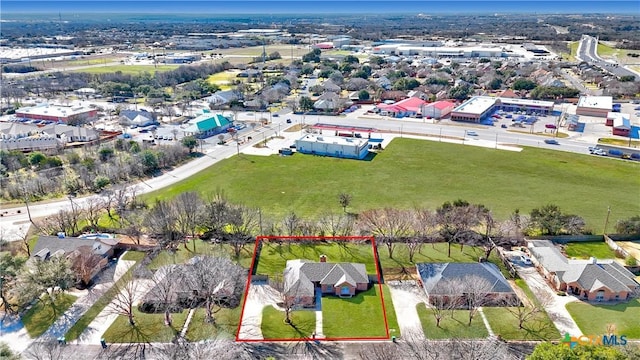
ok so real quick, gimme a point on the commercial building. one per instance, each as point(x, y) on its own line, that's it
point(438, 109)
point(58, 113)
point(404, 49)
point(207, 124)
point(29, 137)
point(479, 108)
point(598, 106)
point(334, 146)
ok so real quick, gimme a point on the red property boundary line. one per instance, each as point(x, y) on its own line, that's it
point(316, 238)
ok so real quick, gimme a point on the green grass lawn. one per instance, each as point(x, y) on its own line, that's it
point(607, 51)
point(274, 327)
point(44, 313)
point(147, 328)
point(453, 325)
point(585, 250)
point(410, 173)
point(181, 255)
point(134, 255)
point(620, 142)
point(505, 324)
point(593, 319)
point(225, 324)
point(359, 316)
point(392, 320)
point(273, 257)
point(127, 69)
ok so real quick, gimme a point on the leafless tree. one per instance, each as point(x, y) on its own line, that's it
point(288, 294)
point(45, 349)
point(445, 297)
point(217, 348)
point(388, 224)
point(291, 224)
point(476, 289)
point(336, 224)
point(527, 311)
point(92, 211)
point(128, 293)
point(187, 208)
point(456, 221)
point(242, 225)
point(163, 292)
point(217, 282)
point(85, 263)
point(161, 222)
point(215, 213)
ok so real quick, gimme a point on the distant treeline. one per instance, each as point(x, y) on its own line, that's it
point(19, 68)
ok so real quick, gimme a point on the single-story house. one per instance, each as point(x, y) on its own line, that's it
point(304, 280)
point(593, 279)
point(182, 293)
point(207, 124)
point(447, 281)
point(223, 97)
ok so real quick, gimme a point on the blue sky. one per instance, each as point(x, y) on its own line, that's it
point(215, 7)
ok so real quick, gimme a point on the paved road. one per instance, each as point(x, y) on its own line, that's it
point(588, 51)
point(15, 224)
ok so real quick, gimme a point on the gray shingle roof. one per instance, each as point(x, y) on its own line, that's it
point(51, 244)
point(301, 274)
point(433, 275)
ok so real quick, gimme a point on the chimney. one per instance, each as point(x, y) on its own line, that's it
point(593, 260)
point(323, 258)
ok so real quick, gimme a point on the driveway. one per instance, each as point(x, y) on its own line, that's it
point(258, 297)
point(556, 309)
point(406, 295)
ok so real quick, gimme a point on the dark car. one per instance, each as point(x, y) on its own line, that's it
point(552, 141)
point(288, 121)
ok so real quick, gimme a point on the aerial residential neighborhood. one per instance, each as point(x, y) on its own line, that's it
point(297, 183)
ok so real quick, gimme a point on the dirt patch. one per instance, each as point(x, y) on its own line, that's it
point(401, 273)
point(144, 240)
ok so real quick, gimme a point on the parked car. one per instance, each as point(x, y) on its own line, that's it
point(525, 259)
point(504, 126)
point(552, 142)
point(288, 121)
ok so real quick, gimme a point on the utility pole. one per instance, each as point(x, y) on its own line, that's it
point(606, 222)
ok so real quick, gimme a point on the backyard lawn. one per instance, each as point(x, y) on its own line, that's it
point(392, 320)
point(585, 250)
point(274, 327)
point(593, 319)
point(505, 324)
point(453, 325)
point(273, 257)
point(421, 173)
point(147, 328)
point(356, 317)
point(182, 255)
point(43, 313)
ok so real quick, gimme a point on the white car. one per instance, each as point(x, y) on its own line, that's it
point(525, 259)
point(472, 133)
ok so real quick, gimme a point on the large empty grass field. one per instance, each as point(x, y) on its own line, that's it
point(410, 173)
point(127, 69)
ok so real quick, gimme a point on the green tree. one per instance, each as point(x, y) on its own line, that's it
point(100, 182)
point(548, 351)
point(350, 59)
point(10, 267)
point(306, 103)
point(189, 142)
point(313, 56)
point(524, 84)
point(37, 158)
point(495, 84)
point(461, 92)
point(149, 161)
point(364, 95)
point(105, 153)
point(549, 220)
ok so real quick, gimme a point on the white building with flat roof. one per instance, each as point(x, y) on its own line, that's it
point(598, 106)
point(334, 146)
point(474, 109)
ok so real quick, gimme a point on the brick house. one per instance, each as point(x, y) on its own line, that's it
point(305, 280)
point(592, 280)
